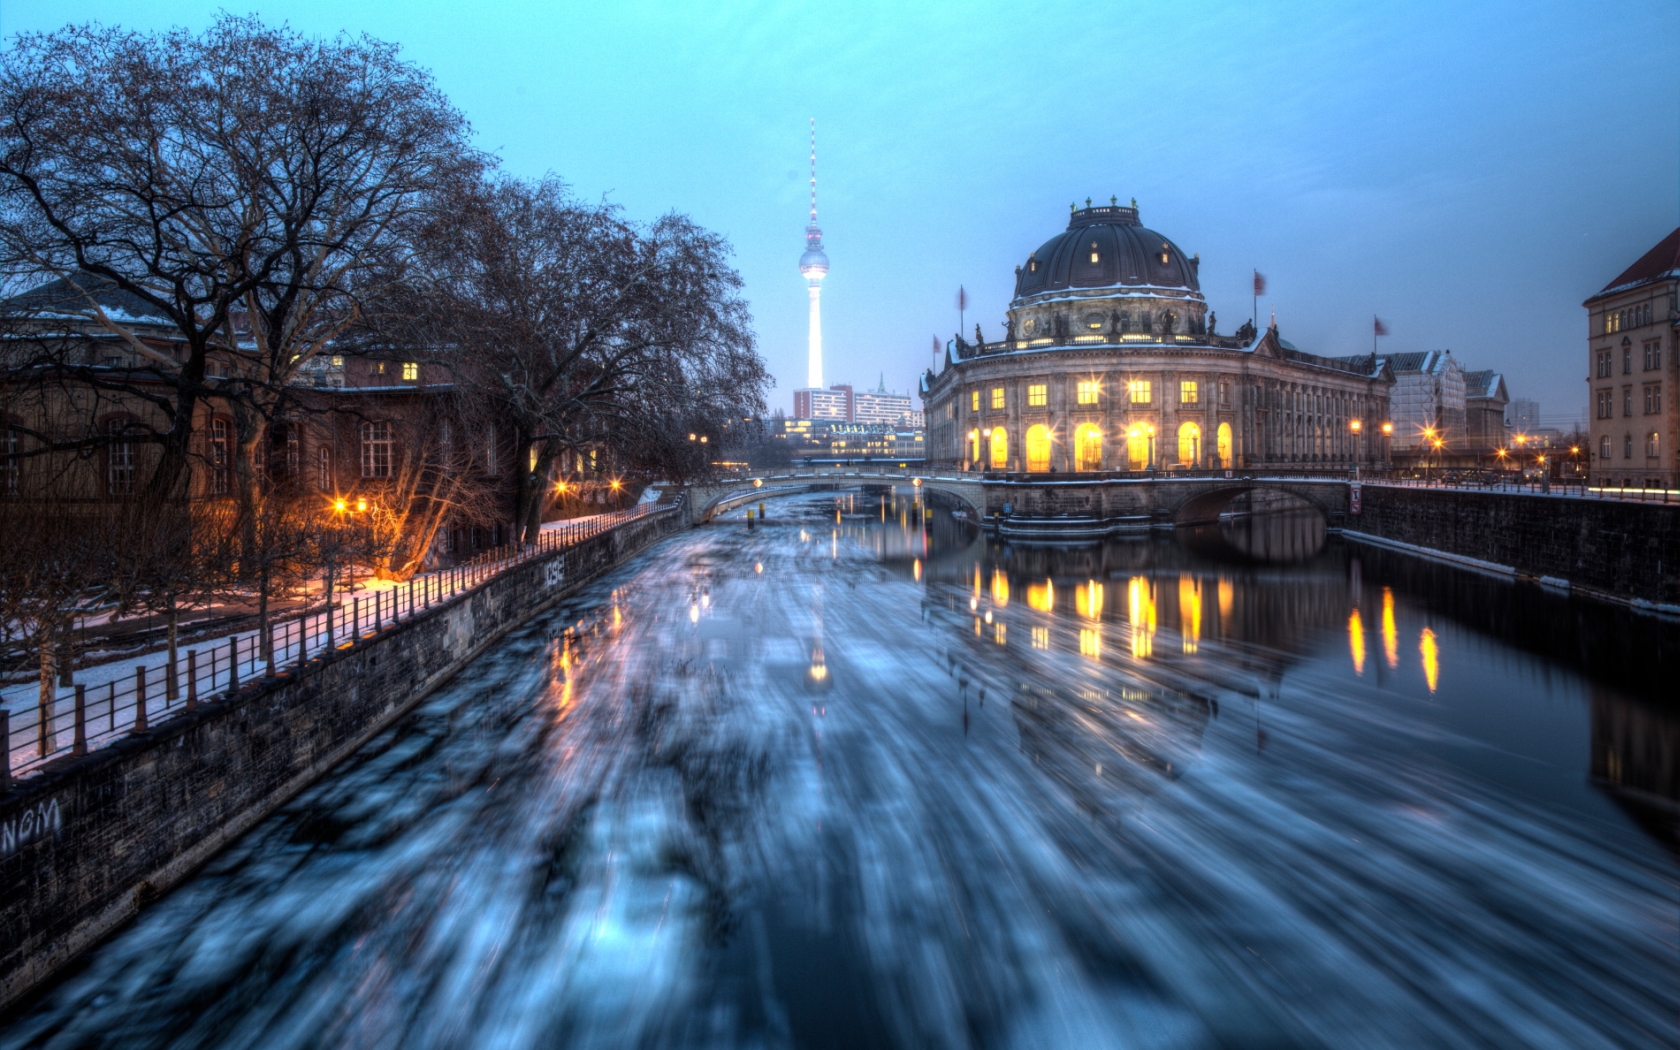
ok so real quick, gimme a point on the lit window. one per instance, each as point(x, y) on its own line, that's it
point(1139, 390)
point(1651, 440)
point(411, 371)
point(1038, 395)
point(1095, 257)
point(376, 450)
point(376, 368)
point(338, 360)
point(997, 397)
point(1187, 392)
point(1041, 637)
point(974, 401)
point(1089, 390)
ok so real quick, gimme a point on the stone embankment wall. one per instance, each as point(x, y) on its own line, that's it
point(87, 842)
point(1623, 551)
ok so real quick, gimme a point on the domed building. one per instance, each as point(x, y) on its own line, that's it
point(1110, 362)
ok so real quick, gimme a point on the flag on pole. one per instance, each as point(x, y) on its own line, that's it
point(1377, 326)
point(962, 298)
point(1259, 283)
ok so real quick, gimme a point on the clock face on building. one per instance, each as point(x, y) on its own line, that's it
point(1095, 322)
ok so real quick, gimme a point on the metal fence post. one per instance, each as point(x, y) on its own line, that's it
point(79, 743)
point(140, 699)
point(233, 665)
point(5, 750)
point(192, 679)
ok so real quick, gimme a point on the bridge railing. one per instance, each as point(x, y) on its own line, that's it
point(126, 697)
point(1564, 489)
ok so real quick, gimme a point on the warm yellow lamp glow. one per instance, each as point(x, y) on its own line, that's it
point(1431, 658)
point(1356, 641)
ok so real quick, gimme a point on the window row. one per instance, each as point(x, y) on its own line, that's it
point(1631, 317)
point(1653, 442)
point(1137, 448)
point(1604, 401)
point(1086, 392)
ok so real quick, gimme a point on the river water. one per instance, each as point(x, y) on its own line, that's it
point(844, 780)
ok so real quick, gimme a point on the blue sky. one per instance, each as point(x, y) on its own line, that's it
point(1470, 172)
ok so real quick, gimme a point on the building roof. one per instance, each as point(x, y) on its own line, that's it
point(1660, 263)
point(1488, 383)
point(1127, 255)
point(68, 298)
point(1432, 362)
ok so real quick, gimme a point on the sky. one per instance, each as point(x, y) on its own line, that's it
point(1467, 172)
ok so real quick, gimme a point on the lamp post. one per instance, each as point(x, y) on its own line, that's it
point(1354, 427)
point(1150, 430)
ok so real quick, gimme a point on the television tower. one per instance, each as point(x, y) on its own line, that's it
point(814, 265)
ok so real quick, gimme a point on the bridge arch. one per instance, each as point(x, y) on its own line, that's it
point(1204, 503)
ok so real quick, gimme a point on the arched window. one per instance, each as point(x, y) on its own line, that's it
point(323, 469)
point(1189, 445)
point(974, 446)
point(1224, 447)
point(1087, 447)
point(1627, 446)
point(119, 459)
point(1604, 447)
point(1651, 441)
point(1038, 448)
point(1137, 448)
point(1000, 449)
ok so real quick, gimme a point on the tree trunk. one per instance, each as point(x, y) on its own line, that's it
point(172, 684)
point(43, 728)
point(67, 653)
point(264, 641)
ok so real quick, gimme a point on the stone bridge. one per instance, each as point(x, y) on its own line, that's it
point(1067, 506)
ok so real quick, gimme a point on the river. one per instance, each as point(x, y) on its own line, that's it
point(846, 780)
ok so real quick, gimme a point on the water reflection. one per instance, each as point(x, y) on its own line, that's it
point(1172, 798)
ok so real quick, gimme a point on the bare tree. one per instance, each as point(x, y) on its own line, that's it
point(248, 184)
point(583, 332)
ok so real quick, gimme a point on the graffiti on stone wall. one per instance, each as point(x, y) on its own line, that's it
point(36, 822)
point(554, 573)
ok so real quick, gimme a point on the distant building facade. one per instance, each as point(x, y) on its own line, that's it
point(1110, 361)
point(1485, 403)
point(1633, 342)
point(833, 403)
point(829, 440)
point(1524, 416)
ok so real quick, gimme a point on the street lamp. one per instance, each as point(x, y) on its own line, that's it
point(1355, 426)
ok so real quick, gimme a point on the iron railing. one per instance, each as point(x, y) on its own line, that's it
point(131, 696)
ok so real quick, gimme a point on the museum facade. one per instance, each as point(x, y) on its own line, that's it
point(1110, 362)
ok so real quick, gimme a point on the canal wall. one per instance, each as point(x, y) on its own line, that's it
point(1625, 552)
point(91, 839)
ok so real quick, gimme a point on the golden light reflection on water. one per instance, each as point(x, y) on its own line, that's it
point(1140, 606)
point(1001, 634)
point(1356, 641)
point(1190, 611)
point(1041, 596)
point(1227, 599)
point(1041, 637)
point(1088, 598)
point(1000, 587)
point(1390, 636)
point(916, 569)
point(1431, 654)
point(977, 580)
point(1090, 642)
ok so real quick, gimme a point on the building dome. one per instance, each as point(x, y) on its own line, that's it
point(1104, 247)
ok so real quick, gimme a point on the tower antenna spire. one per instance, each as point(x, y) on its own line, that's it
point(813, 265)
